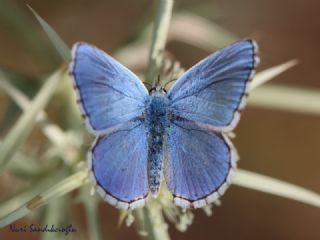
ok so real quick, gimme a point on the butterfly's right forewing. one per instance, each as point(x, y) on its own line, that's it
point(213, 92)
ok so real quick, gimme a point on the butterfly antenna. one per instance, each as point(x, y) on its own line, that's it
point(148, 84)
point(172, 80)
point(158, 79)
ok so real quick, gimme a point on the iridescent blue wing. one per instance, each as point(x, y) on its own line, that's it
point(213, 92)
point(109, 94)
point(198, 164)
point(117, 165)
point(112, 100)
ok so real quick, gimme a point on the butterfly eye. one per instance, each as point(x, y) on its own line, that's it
point(152, 90)
point(156, 89)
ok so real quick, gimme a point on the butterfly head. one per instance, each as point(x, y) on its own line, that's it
point(158, 89)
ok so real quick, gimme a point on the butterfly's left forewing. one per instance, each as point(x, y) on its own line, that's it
point(108, 93)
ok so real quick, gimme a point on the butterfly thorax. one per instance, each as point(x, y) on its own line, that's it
point(157, 121)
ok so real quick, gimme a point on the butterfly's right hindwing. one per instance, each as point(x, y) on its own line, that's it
point(198, 164)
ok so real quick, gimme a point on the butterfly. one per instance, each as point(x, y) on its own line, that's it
point(179, 135)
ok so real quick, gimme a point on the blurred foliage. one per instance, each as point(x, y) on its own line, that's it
point(59, 167)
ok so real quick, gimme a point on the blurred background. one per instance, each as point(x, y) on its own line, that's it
point(281, 144)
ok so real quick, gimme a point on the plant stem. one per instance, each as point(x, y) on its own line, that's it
point(150, 222)
point(276, 187)
point(57, 42)
point(159, 38)
point(57, 214)
point(285, 98)
point(157, 222)
point(91, 205)
point(24, 125)
point(9, 206)
point(147, 227)
point(271, 73)
point(53, 132)
point(61, 188)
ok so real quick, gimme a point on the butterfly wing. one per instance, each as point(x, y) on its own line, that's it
point(205, 102)
point(117, 165)
point(112, 100)
point(109, 94)
point(213, 92)
point(198, 164)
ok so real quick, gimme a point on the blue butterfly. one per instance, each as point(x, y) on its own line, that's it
point(144, 136)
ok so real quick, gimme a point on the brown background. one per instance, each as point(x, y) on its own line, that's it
point(278, 144)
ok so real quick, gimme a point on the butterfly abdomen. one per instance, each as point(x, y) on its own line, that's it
point(156, 121)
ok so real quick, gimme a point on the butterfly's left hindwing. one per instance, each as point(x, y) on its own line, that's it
point(118, 166)
point(213, 92)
